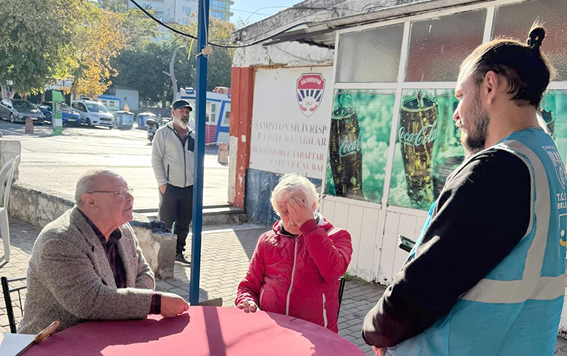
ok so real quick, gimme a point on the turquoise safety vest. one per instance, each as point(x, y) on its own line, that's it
point(515, 309)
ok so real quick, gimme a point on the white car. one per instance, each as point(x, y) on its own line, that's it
point(93, 113)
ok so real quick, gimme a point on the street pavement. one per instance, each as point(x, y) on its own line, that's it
point(56, 162)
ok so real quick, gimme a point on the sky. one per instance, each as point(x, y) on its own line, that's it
point(251, 11)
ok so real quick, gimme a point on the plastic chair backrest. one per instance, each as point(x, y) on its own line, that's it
point(6, 177)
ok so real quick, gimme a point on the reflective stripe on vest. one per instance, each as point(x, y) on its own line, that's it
point(532, 285)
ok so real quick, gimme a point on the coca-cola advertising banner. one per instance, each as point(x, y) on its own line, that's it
point(553, 112)
point(427, 149)
point(358, 148)
point(426, 152)
point(290, 123)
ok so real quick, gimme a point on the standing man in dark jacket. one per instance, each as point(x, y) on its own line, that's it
point(172, 161)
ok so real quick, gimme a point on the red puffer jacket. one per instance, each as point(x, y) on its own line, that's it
point(298, 275)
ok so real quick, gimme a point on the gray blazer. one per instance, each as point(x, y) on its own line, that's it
point(69, 278)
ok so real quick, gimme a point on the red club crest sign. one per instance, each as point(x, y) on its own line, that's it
point(310, 88)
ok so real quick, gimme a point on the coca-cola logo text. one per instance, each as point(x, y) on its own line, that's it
point(424, 136)
point(348, 148)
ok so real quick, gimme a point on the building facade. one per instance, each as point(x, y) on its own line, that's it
point(170, 11)
point(392, 68)
point(220, 9)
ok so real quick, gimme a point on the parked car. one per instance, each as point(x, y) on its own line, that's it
point(18, 110)
point(68, 115)
point(93, 113)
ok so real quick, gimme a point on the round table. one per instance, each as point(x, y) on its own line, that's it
point(209, 331)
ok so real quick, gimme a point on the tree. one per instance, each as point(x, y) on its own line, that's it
point(113, 5)
point(98, 39)
point(220, 61)
point(143, 68)
point(137, 26)
point(34, 42)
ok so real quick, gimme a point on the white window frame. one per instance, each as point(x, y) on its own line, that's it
point(212, 111)
point(400, 85)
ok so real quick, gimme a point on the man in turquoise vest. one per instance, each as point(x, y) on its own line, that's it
point(487, 275)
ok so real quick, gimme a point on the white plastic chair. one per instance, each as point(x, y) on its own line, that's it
point(6, 177)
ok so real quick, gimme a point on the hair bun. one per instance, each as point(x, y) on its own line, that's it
point(537, 34)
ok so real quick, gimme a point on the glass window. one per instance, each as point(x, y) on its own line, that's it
point(207, 112)
point(213, 114)
point(515, 21)
point(427, 149)
point(358, 150)
point(370, 56)
point(554, 112)
point(438, 46)
point(226, 120)
point(22, 104)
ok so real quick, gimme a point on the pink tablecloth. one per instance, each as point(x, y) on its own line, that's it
point(209, 331)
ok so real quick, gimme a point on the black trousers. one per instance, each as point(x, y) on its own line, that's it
point(176, 206)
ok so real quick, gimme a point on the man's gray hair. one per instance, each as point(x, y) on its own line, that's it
point(291, 183)
point(87, 182)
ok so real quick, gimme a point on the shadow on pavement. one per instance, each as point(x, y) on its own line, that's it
point(248, 239)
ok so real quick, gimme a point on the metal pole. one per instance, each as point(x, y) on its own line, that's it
point(172, 72)
point(202, 35)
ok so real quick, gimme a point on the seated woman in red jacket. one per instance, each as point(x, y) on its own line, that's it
point(296, 265)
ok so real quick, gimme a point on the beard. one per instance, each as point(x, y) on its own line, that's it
point(182, 123)
point(474, 139)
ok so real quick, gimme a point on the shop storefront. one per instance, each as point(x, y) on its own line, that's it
point(391, 138)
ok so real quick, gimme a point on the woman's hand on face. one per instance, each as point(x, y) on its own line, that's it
point(299, 212)
point(248, 306)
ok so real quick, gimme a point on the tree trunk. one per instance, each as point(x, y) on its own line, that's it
point(74, 89)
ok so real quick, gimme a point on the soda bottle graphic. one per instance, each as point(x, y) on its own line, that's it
point(344, 150)
point(418, 128)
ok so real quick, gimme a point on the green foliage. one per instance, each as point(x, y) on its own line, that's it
point(143, 69)
point(219, 62)
point(139, 28)
point(98, 38)
point(35, 41)
point(98, 43)
point(143, 66)
point(114, 5)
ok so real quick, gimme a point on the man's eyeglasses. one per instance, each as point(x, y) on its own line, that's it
point(122, 193)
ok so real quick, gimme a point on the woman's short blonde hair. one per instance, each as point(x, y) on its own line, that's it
point(291, 183)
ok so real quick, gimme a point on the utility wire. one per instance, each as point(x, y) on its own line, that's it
point(214, 44)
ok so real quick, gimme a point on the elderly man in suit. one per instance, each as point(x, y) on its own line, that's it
point(87, 264)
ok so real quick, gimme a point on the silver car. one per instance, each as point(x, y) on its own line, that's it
point(18, 110)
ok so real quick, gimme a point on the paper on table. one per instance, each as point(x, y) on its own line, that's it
point(14, 344)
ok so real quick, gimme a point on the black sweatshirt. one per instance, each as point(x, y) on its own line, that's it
point(481, 214)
